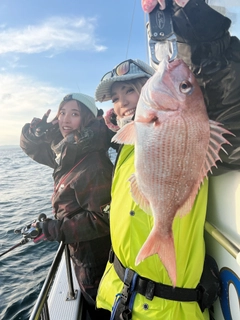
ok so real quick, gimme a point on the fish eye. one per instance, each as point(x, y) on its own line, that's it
point(185, 87)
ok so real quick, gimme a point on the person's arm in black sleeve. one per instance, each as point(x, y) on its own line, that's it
point(52, 230)
point(90, 221)
point(35, 139)
point(36, 148)
point(92, 192)
point(214, 56)
point(92, 195)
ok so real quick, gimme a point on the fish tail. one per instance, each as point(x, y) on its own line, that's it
point(164, 247)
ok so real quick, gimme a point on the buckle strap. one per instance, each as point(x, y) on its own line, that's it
point(164, 291)
point(129, 285)
point(149, 288)
point(122, 307)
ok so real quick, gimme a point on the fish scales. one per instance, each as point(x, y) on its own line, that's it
point(175, 146)
point(166, 167)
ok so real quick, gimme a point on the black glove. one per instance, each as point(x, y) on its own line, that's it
point(202, 35)
point(39, 127)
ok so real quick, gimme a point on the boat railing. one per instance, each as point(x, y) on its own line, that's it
point(41, 308)
point(227, 244)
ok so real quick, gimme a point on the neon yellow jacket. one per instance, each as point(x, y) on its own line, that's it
point(129, 232)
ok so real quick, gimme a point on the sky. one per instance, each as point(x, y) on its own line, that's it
point(50, 48)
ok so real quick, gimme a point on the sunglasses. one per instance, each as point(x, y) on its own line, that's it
point(122, 69)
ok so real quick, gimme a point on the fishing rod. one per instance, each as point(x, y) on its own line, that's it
point(29, 233)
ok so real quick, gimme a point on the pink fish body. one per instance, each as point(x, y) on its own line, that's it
point(175, 146)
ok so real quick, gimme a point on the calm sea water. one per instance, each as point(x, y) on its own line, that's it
point(25, 192)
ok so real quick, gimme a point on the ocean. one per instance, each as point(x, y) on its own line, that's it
point(25, 192)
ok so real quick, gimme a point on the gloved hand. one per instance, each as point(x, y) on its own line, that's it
point(40, 126)
point(111, 120)
point(50, 229)
point(149, 5)
point(38, 225)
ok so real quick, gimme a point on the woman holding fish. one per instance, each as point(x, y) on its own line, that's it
point(143, 288)
point(159, 193)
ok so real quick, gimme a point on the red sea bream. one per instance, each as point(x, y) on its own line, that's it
point(175, 146)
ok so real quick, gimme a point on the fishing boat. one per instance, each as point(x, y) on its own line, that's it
point(223, 241)
point(222, 227)
point(60, 297)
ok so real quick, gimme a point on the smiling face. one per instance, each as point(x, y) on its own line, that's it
point(124, 99)
point(69, 117)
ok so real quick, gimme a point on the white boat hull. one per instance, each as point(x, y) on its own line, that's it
point(224, 214)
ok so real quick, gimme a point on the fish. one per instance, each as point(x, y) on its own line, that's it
point(235, 155)
point(176, 145)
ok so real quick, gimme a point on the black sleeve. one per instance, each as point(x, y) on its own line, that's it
point(84, 226)
point(90, 188)
point(92, 193)
point(52, 230)
point(36, 147)
point(205, 44)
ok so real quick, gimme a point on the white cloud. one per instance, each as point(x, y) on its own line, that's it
point(57, 34)
point(21, 99)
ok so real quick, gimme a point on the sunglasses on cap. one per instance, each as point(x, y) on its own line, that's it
point(122, 69)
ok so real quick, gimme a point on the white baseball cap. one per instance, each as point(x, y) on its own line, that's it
point(126, 70)
point(88, 101)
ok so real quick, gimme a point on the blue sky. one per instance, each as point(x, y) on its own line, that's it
point(49, 48)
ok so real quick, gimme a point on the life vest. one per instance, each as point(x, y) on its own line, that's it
point(130, 226)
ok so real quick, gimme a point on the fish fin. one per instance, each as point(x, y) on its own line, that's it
point(138, 196)
point(230, 114)
point(126, 135)
point(151, 117)
point(212, 155)
point(164, 247)
point(235, 155)
point(215, 144)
